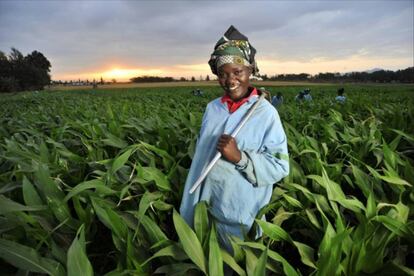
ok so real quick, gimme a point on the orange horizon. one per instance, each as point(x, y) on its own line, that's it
point(123, 73)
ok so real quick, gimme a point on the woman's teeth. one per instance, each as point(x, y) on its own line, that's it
point(234, 87)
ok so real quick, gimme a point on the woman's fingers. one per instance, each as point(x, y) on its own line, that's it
point(224, 140)
point(228, 147)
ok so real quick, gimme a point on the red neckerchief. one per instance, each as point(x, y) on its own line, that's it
point(233, 106)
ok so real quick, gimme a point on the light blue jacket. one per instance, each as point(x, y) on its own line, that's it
point(307, 97)
point(340, 99)
point(233, 200)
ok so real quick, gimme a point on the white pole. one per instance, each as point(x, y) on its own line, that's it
point(218, 154)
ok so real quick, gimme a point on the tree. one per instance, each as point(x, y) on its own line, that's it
point(144, 79)
point(18, 72)
point(7, 81)
point(208, 78)
point(38, 68)
point(192, 79)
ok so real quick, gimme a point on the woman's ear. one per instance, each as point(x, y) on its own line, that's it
point(250, 70)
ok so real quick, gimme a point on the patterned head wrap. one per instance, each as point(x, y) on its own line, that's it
point(235, 48)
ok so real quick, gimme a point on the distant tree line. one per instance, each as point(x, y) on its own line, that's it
point(384, 76)
point(151, 79)
point(166, 79)
point(18, 72)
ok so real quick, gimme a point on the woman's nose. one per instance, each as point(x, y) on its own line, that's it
point(230, 80)
point(231, 77)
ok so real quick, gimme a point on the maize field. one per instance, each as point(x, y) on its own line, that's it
point(91, 181)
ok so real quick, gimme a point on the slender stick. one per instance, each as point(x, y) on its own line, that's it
point(218, 154)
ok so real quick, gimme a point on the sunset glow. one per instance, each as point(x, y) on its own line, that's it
point(125, 74)
point(117, 73)
point(266, 66)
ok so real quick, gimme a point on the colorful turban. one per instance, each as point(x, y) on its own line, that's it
point(235, 48)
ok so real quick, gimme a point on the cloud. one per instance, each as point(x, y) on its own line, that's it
point(88, 36)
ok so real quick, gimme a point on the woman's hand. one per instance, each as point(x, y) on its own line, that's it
point(228, 147)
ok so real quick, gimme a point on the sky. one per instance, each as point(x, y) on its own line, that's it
point(124, 39)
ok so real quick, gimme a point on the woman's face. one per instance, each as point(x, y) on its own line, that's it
point(234, 79)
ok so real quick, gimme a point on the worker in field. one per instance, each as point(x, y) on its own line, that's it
point(340, 98)
point(277, 100)
point(307, 95)
point(241, 182)
point(300, 96)
point(197, 92)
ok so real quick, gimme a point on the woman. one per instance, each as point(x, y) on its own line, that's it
point(241, 182)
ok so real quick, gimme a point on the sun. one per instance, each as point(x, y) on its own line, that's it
point(121, 74)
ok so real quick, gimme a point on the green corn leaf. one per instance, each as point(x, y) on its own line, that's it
point(371, 206)
point(9, 206)
point(312, 218)
point(395, 180)
point(330, 251)
point(44, 152)
point(27, 258)
point(394, 268)
point(189, 241)
point(4, 188)
point(146, 202)
point(273, 231)
point(287, 267)
point(393, 225)
point(292, 201)
point(118, 225)
point(228, 259)
point(154, 174)
point(215, 260)
point(114, 141)
point(174, 251)
point(30, 195)
point(78, 262)
point(154, 232)
point(251, 261)
point(176, 269)
point(306, 254)
point(45, 183)
point(281, 216)
point(161, 205)
point(362, 180)
point(96, 184)
point(260, 268)
point(120, 160)
point(201, 221)
point(110, 218)
point(167, 159)
point(277, 233)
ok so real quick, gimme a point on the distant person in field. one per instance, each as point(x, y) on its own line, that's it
point(300, 97)
point(277, 100)
point(340, 98)
point(241, 182)
point(197, 92)
point(307, 96)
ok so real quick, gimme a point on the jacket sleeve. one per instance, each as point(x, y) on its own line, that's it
point(271, 162)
